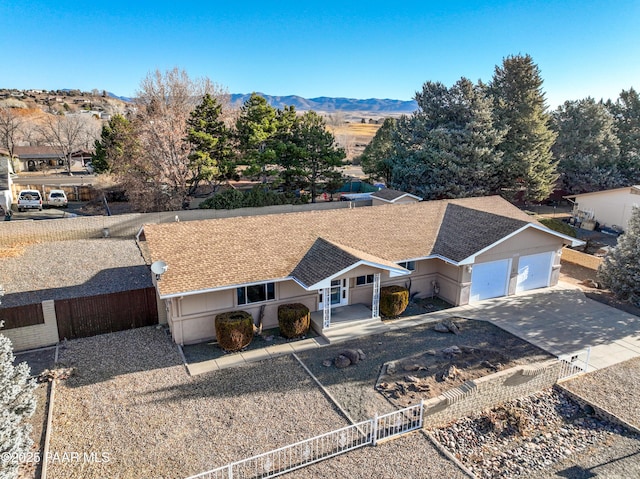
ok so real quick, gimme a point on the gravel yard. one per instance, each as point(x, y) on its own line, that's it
point(131, 399)
point(354, 386)
point(411, 456)
point(71, 269)
point(616, 389)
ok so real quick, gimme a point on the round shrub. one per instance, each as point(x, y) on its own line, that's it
point(294, 320)
point(393, 300)
point(234, 330)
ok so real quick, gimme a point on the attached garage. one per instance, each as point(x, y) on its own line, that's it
point(490, 280)
point(534, 271)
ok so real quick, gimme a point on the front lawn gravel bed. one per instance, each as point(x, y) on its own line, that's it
point(354, 386)
point(131, 398)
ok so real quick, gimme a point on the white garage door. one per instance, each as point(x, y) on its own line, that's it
point(534, 271)
point(490, 280)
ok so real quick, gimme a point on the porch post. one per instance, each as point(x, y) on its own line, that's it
point(326, 308)
point(375, 301)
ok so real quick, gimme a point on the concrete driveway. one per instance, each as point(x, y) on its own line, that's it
point(563, 320)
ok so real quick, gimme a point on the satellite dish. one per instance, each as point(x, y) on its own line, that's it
point(159, 268)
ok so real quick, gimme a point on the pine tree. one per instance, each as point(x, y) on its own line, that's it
point(308, 152)
point(255, 129)
point(620, 269)
point(210, 158)
point(519, 107)
point(17, 403)
point(626, 113)
point(586, 147)
point(447, 149)
point(376, 155)
point(115, 146)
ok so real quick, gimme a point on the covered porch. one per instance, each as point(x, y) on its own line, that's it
point(345, 320)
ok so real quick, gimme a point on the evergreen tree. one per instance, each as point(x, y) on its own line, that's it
point(626, 114)
point(17, 403)
point(255, 129)
point(211, 157)
point(308, 152)
point(115, 146)
point(375, 159)
point(447, 149)
point(620, 270)
point(586, 146)
point(519, 107)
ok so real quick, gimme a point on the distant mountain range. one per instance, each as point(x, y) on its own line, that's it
point(327, 104)
point(323, 103)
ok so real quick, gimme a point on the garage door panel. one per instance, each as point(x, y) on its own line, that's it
point(534, 271)
point(490, 280)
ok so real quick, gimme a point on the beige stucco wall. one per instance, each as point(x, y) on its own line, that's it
point(610, 208)
point(192, 318)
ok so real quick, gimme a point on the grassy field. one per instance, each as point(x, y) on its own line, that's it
point(353, 137)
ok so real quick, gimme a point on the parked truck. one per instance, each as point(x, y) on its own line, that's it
point(29, 200)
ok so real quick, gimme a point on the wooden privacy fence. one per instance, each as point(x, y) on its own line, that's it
point(106, 313)
point(21, 316)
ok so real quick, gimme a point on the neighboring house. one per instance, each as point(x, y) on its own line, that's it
point(389, 195)
point(34, 158)
point(609, 207)
point(6, 197)
point(462, 250)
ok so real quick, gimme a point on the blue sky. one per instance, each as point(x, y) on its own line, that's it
point(349, 49)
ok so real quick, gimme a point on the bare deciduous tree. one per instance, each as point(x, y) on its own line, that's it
point(11, 129)
point(70, 133)
point(158, 177)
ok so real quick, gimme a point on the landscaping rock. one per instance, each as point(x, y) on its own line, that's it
point(451, 351)
point(327, 363)
point(450, 373)
point(352, 354)
point(362, 355)
point(342, 362)
point(447, 326)
point(391, 368)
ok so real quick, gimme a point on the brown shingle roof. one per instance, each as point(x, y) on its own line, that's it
point(224, 252)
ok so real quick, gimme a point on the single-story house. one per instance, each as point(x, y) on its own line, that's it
point(609, 207)
point(34, 158)
point(463, 250)
point(389, 195)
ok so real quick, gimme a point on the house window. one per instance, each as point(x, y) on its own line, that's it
point(410, 265)
point(256, 293)
point(362, 280)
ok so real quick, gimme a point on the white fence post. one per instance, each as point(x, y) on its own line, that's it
point(374, 430)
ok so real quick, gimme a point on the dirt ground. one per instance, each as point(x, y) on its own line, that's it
point(429, 373)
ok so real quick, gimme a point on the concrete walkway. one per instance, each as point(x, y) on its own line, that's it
point(559, 320)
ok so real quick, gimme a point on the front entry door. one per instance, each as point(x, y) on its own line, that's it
point(339, 293)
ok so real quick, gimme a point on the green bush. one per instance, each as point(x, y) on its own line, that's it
point(393, 300)
point(293, 319)
point(234, 330)
point(558, 226)
point(254, 198)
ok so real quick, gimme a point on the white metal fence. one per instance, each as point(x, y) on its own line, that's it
point(573, 364)
point(309, 451)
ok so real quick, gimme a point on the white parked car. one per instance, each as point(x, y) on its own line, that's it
point(29, 200)
point(58, 199)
